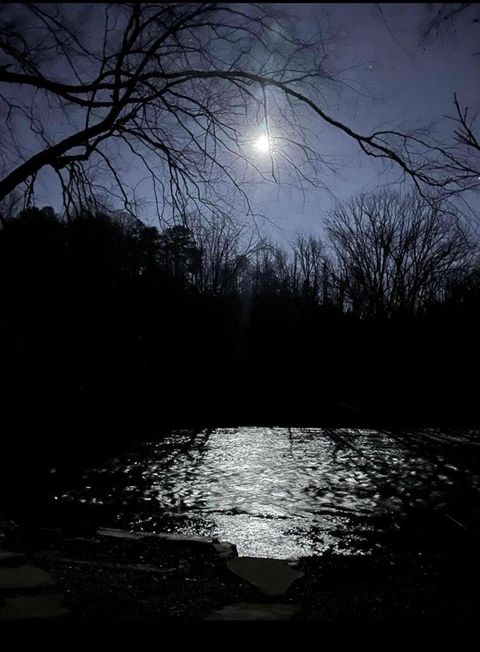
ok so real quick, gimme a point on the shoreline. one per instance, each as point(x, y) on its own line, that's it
point(123, 576)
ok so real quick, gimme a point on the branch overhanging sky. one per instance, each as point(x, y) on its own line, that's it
point(390, 79)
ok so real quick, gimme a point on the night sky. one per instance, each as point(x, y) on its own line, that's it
point(390, 78)
point(404, 81)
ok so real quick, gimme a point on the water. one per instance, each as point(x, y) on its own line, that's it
point(282, 492)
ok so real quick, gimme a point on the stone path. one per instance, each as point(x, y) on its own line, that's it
point(271, 577)
point(254, 611)
point(37, 606)
point(29, 592)
point(22, 590)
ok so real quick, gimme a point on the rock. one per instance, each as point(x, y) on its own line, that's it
point(7, 557)
point(118, 534)
point(183, 538)
point(6, 527)
point(24, 577)
point(38, 606)
point(270, 576)
point(226, 550)
point(123, 534)
point(252, 611)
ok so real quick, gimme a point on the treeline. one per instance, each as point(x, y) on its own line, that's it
point(111, 328)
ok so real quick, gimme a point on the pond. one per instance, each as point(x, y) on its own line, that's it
point(285, 492)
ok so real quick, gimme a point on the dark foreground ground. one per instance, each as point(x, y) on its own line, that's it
point(110, 579)
point(424, 570)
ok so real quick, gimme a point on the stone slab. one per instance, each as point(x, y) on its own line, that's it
point(7, 557)
point(123, 534)
point(270, 576)
point(26, 576)
point(38, 606)
point(226, 550)
point(252, 611)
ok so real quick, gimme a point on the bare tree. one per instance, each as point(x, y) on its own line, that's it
point(283, 268)
point(443, 16)
point(226, 248)
point(465, 133)
point(10, 205)
point(301, 270)
point(309, 267)
point(179, 89)
point(263, 270)
point(179, 253)
point(460, 159)
point(396, 254)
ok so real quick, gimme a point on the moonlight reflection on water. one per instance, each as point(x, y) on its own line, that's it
point(274, 492)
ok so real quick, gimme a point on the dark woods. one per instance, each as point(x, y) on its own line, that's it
point(110, 328)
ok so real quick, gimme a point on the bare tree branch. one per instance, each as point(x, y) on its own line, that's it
point(183, 88)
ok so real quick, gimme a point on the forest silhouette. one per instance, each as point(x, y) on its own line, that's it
point(111, 328)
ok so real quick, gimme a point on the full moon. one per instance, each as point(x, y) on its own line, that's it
point(262, 144)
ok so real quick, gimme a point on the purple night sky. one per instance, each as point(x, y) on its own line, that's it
point(391, 79)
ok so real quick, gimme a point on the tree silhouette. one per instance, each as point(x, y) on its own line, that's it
point(225, 247)
point(179, 252)
point(444, 16)
point(179, 89)
point(396, 254)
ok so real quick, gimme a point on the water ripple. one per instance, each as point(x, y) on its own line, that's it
point(277, 491)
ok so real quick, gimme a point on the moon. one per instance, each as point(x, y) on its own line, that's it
point(262, 144)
